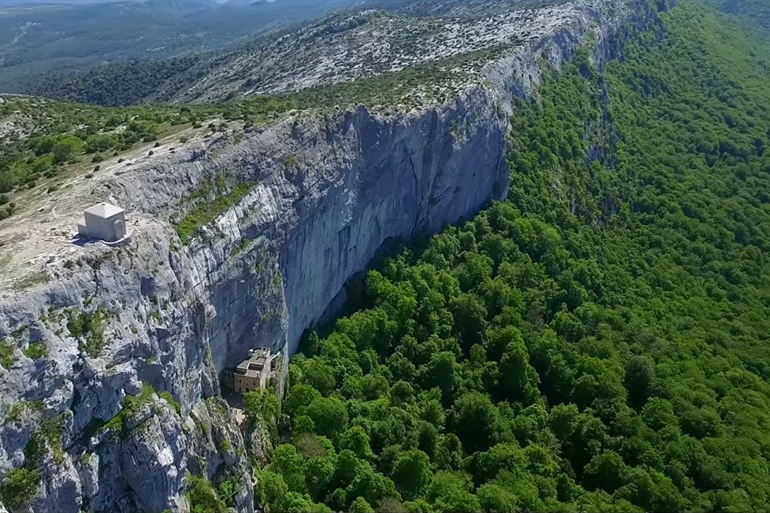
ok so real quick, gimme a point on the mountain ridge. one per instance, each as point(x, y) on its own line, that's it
point(32, 46)
point(334, 50)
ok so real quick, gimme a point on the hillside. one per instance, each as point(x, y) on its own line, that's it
point(54, 38)
point(349, 47)
point(271, 53)
point(361, 43)
point(409, 62)
point(44, 143)
point(562, 210)
point(753, 12)
point(597, 342)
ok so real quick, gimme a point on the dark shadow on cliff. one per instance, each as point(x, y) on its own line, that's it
point(353, 298)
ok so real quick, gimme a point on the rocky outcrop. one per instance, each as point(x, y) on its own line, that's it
point(123, 324)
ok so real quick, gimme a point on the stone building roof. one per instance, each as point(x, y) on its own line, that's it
point(252, 366)
point(104, 210)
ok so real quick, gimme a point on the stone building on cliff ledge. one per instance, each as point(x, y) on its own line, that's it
point(251, 374)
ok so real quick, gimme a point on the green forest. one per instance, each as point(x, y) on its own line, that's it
point(755, 12)
point(120, 84)
point(597, 342)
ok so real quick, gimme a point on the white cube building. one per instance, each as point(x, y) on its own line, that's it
point(105, 222)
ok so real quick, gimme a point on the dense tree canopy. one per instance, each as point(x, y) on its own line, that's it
point(597, 342)
point(121, 84)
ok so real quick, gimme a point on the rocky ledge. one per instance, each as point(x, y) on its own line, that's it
point(109, 360)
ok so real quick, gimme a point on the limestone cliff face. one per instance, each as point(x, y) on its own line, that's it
point(327, 191)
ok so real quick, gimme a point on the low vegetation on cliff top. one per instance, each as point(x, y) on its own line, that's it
point(598, 342)
point(41, 140)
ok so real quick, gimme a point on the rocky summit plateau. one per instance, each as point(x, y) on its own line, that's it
point(372, 42)
point(111, 355)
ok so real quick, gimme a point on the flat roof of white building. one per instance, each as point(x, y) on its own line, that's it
point(104, 210)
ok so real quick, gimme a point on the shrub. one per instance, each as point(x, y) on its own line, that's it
point(260, 404)
point(228, 490)
point(89, 328)
point(6, 355)
point(19, 409)
point(131, 405)
point(166, 396)
point(208, 211)
point(19, 487)
point(36, 350)
point(202, 496)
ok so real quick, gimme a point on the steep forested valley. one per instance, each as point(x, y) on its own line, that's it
point(597, 342)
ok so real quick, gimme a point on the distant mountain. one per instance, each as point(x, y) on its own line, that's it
point(170, 5)
point(65, 36)
point(756, 12)
point(58, 2)
point(27, 3)
point(44, 38)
